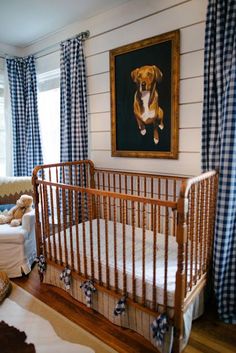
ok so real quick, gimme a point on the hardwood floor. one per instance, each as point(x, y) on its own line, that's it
point(208, 334)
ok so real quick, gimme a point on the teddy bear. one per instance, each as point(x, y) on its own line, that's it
point(15, 214)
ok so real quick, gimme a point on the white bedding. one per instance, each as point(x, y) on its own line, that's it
point(172, 257)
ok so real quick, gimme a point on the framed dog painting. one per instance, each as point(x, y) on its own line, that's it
point(144, 97)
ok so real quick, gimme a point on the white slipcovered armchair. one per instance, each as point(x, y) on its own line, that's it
point(17, 244)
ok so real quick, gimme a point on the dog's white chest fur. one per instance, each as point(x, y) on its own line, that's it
point(147, 112)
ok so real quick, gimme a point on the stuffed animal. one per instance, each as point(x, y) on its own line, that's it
point(15, 214)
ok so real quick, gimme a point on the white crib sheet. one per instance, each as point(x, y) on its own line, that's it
point(172, 257)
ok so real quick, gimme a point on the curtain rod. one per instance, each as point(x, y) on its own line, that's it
point(85, 35)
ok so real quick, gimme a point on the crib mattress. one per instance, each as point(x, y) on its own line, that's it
point(160, 255)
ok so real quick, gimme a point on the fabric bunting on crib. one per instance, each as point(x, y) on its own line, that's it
point(42, 265)
point(159, 328)
point(88, 289)
point(65, 276)
point(120, 306)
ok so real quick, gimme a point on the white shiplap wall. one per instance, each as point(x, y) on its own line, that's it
point(189, 17)
point(131, 22)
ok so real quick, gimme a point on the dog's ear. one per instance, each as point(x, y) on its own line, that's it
point(134, 74)
point(158, 73)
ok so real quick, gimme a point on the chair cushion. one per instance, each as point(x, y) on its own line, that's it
point(10, 234)
point(5, 285)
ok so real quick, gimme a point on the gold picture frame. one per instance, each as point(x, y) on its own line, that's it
point(144, 79)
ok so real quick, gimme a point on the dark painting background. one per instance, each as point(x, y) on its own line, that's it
point(128, 136)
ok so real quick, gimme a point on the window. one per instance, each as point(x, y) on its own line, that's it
point(49, 115)
point(2, 127)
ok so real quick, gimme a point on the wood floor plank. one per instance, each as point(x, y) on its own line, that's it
point(209, 335)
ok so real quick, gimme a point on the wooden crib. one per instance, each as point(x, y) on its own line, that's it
point(144, 237)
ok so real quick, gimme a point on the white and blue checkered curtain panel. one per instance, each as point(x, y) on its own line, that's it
point(27, 150)
point(74, 124)
point(219, 144)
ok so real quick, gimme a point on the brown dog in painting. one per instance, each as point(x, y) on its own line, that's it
point(146, 105)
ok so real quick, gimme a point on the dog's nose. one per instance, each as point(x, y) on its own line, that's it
point(143, 84)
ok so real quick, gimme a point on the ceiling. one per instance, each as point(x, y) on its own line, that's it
point(25, 21)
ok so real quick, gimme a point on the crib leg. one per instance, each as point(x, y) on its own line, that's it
point(41, 276)
point(179, 328)
point(177, 343)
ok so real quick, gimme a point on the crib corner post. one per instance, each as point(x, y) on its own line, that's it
point(36, 207)
point(92, 185)
point(181, 238)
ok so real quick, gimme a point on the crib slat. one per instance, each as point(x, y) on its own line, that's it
point(87, 175)
point(174, 213)
point(109, 199)
point(191, 235)
point(114, 182)
point(84, 234)
point(187, 252)
point(76, 195)
point(124, 246)
point(138, 190)
point(47, 226)
point(98, 181)
point(90, 211)
point(159, 207)
point(115, 244)
point(106, 243)
point(207, 228)
point(152, 206)
point(42, 218)
point(201, 230)
point(197, 234)
point(64, 208)
point(59, 224)
point(126, 206)
point(120, 199)
point(98, 202)
point(166, 257)
point(70, 198)
point(133, 252)
point(53, 220)
point(155, 249)
point(144, 255)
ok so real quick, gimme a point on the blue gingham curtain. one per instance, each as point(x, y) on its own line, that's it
point(74, 125)
point(219, 144)
point(27, 150)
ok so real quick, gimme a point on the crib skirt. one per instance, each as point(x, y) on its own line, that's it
point(133, 318)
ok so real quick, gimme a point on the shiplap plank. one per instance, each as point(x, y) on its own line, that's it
point(100, 122)
point(192, 38)
point(98, 83)
point(190, 115)
point(191, 64)
point(191, 90)
point(97, 63)
point(99, 103)
point(189, 140)
point(186, 164)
